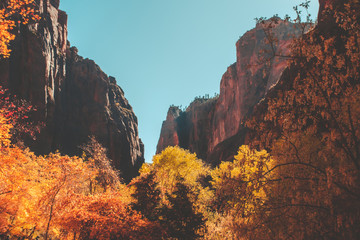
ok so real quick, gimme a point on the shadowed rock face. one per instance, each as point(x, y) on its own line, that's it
point(206, 126)
point(74, 97)
point(169, 129)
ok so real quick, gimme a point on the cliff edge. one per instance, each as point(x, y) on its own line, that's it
point(74, 97)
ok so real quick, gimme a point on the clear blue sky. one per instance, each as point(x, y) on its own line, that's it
point(165, 52)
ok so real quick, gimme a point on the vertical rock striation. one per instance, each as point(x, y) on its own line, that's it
point(74, 97)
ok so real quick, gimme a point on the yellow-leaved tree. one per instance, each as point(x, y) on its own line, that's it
point(173, 164)
point(241, 188)
point(177, 176)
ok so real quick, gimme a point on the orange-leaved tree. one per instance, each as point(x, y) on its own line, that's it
point(310, 122)
point(33, 188)
point(17, 177)
point(13, 13)
point(105, 216)
point(53, 197)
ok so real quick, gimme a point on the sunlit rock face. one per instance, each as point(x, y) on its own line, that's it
point(246, 87)
point(206, 126)
point(74, 97)
point(246, 82)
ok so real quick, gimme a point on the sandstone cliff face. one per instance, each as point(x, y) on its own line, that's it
point(74, 98)
point(169, 129)
point(246, 82)
point(207, 126)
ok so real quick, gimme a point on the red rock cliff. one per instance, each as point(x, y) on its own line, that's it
point(245, 86)
point(208, 124)
point(74, 97)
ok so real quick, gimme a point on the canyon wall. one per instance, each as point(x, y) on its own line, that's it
point(74, 97)
point(213, 128)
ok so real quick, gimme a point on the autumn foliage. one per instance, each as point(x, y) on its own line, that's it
point(305, 185)
point(53, 197)
point(105, 216)
point(12, 14)
point(310, 123)
point(171, 187)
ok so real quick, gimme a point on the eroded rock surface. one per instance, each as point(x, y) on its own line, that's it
point(74, 97)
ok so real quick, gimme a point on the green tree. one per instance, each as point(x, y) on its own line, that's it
point(146, 195)
point(179, 217)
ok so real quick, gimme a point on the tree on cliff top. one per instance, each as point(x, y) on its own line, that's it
point(13, 12)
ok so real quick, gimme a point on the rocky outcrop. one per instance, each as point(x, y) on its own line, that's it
point(190, 129)
point(207, 126)
point(74, 97)
point(169, 129)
